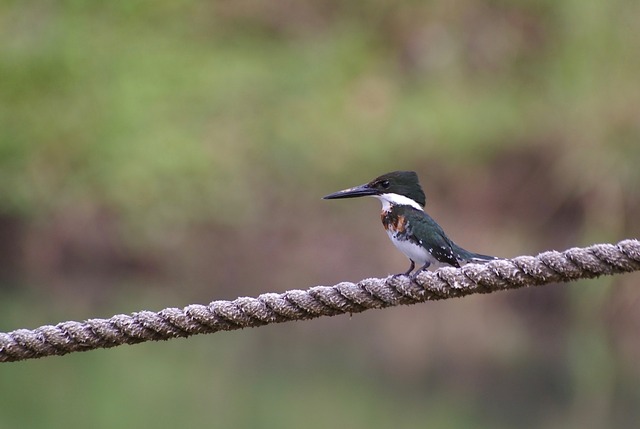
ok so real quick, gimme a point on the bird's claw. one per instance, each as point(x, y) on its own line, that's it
point(412, 277)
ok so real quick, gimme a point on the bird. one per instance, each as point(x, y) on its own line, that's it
point(409, 227)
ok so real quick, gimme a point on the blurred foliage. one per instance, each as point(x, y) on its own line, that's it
point(144, 145)
point(169, 110)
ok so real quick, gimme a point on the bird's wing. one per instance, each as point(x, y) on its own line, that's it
point(434, 240)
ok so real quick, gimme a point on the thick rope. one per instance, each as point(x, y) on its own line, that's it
point(345, 297)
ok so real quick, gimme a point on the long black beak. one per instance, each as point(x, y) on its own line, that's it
point(358, 191)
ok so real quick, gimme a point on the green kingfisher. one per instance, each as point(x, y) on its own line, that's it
point(409, 227)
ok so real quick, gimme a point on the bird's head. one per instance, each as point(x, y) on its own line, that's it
point(397, 187)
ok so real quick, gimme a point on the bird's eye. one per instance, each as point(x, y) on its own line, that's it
point(384, 184)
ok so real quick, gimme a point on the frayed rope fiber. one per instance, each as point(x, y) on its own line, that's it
point(345, 297)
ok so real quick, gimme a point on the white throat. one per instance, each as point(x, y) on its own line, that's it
point(390, 199)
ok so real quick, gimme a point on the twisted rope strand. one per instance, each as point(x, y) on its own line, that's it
point(345, 297)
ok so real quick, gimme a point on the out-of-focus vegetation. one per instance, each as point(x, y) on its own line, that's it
point(160, 153)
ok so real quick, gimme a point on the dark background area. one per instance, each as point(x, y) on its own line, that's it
point(162, 153)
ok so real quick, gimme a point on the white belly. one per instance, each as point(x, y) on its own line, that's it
point(417, 254)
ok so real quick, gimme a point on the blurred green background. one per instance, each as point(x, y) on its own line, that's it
point(161, 153)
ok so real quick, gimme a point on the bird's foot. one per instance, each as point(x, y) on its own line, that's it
point(412, 277)
point(416, 273)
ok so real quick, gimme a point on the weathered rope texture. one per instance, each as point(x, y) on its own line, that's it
point(345, 297)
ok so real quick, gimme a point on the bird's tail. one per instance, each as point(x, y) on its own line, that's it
point(475, 258)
